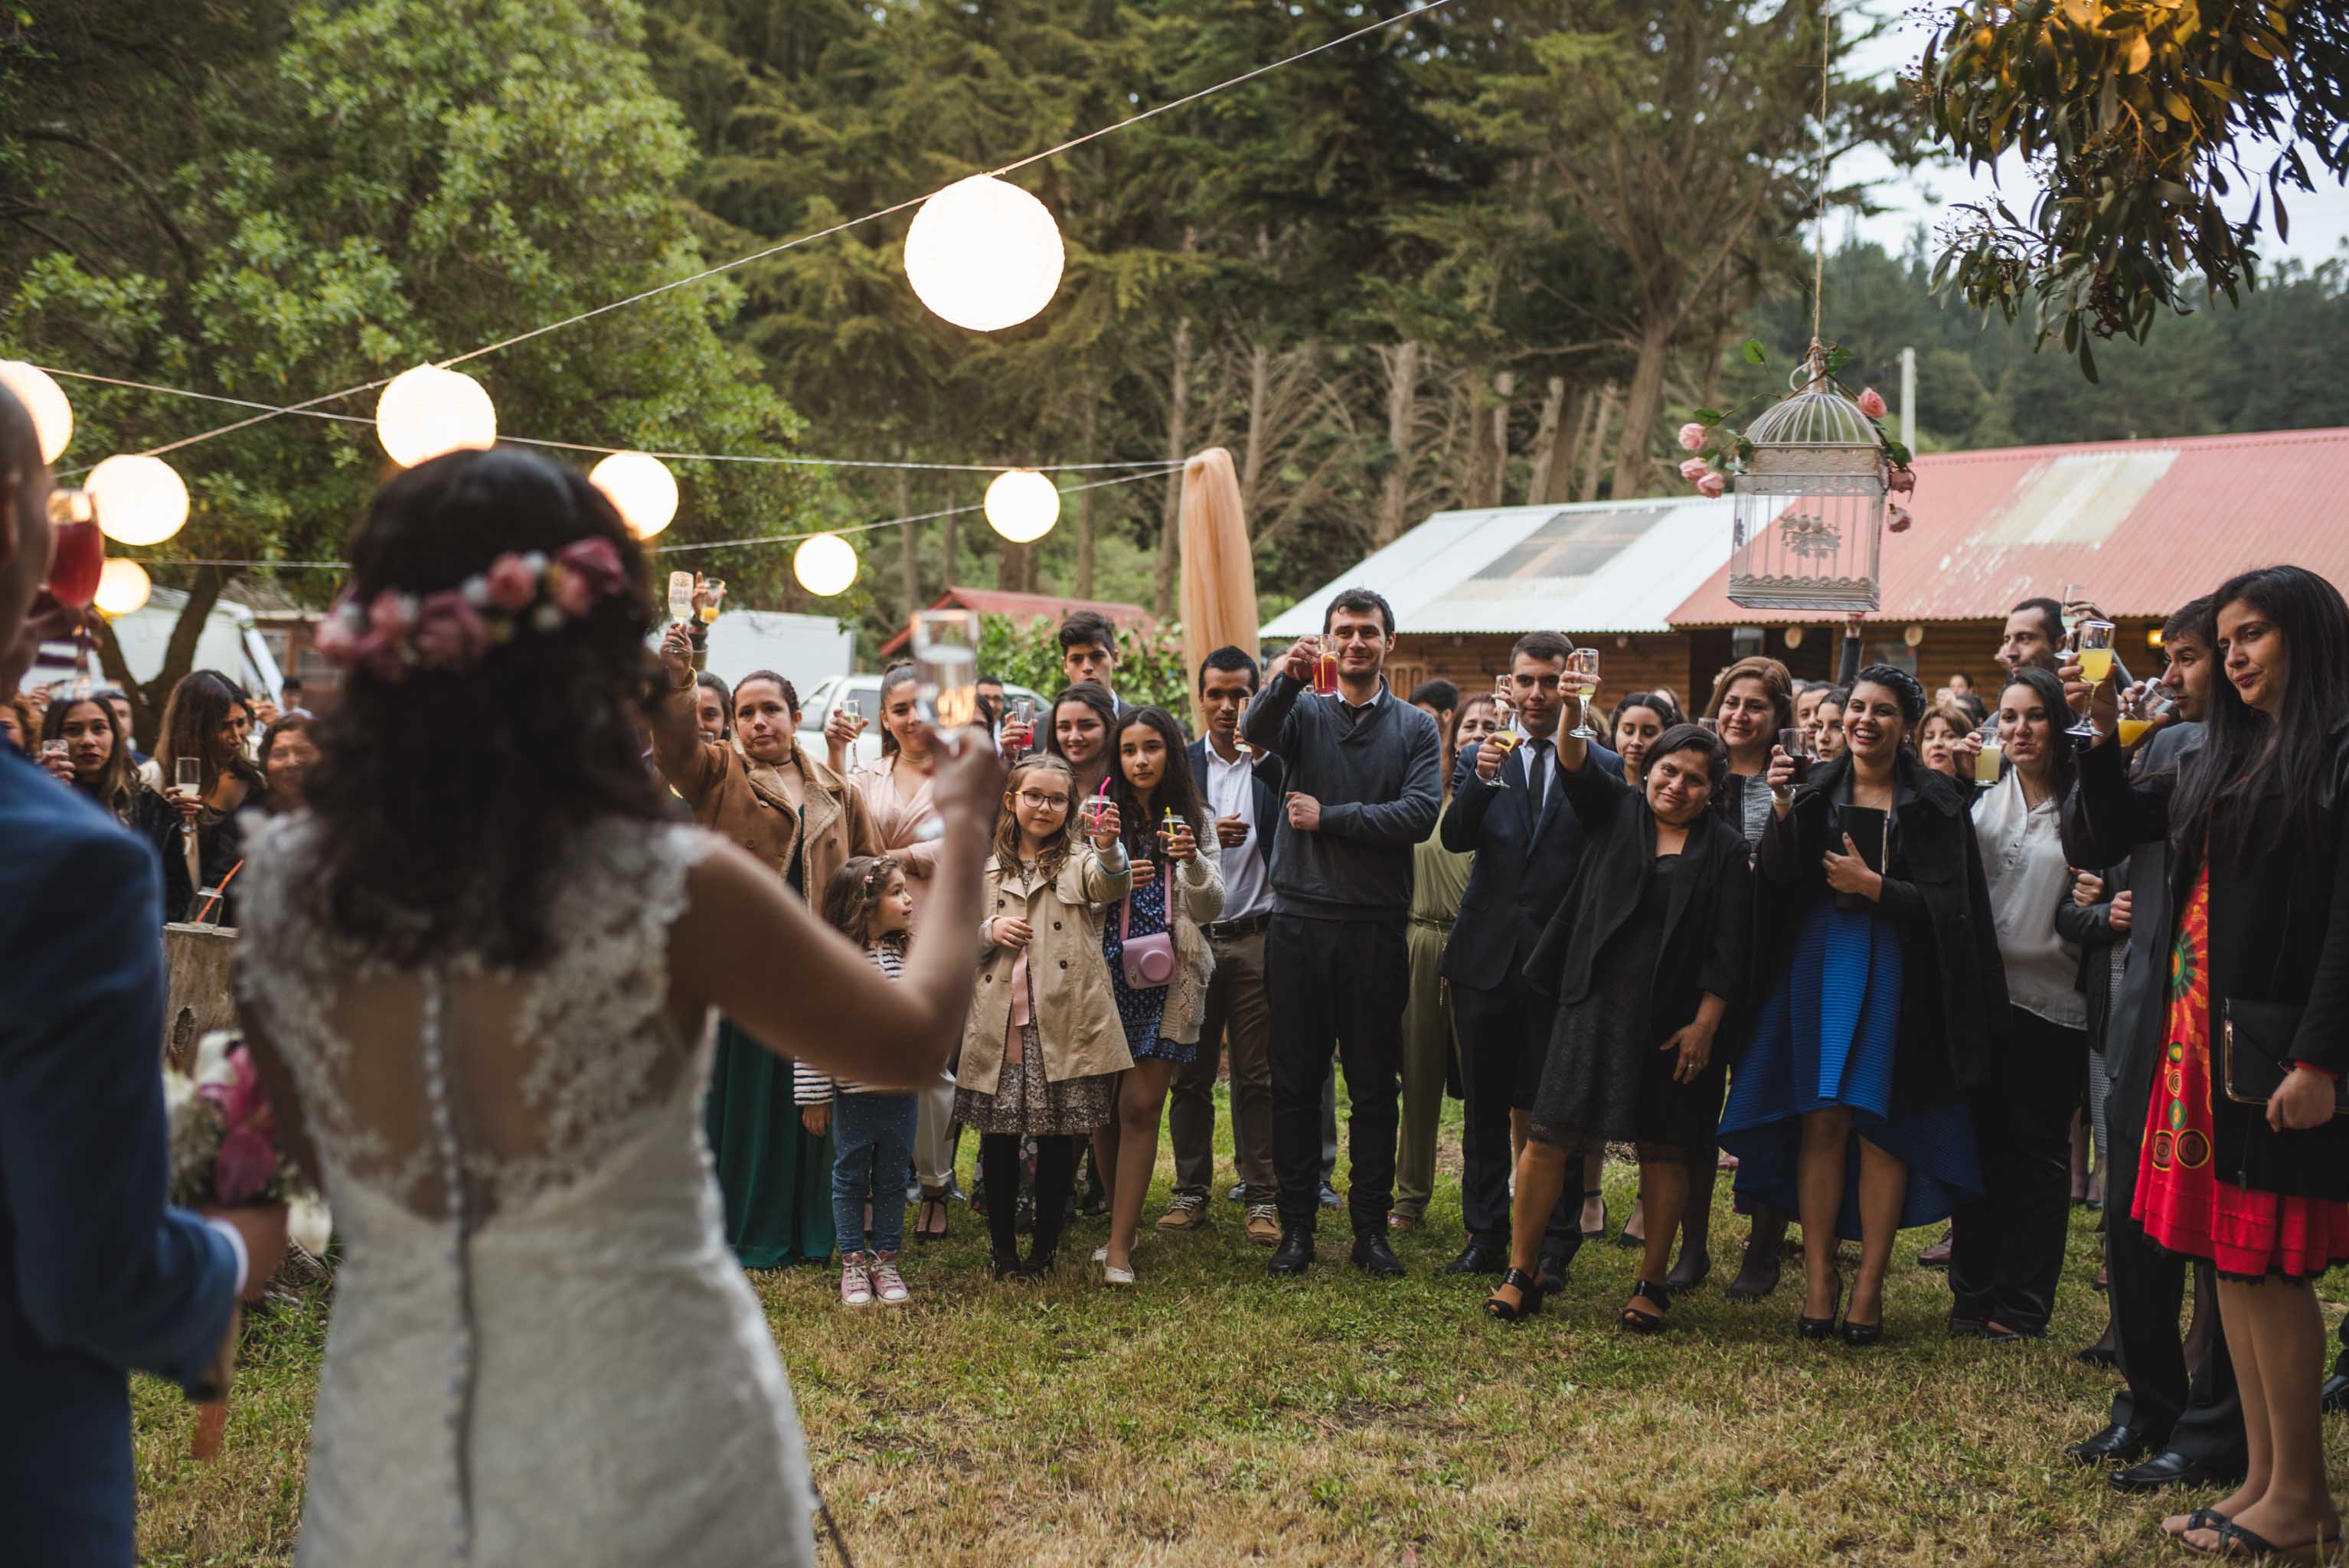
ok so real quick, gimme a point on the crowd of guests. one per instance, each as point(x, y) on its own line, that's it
point(1802, 937)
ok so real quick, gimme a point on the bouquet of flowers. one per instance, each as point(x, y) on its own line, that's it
point(225, 1151)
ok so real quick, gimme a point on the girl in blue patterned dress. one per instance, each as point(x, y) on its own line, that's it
point(1167, 839)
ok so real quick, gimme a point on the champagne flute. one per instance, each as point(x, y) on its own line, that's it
point(187, 778)
point(713, 594)
point(1582, 675)
point(2095, 651)
point(680, 597)
point(945, 670)
point(1509, 736)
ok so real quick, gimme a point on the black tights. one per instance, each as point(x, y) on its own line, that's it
point(1056, 1179)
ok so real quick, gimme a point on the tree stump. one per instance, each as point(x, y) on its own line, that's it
point(199, 961)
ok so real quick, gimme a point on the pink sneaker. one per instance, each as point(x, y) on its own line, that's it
point(885, 1282)
point(855, 1285)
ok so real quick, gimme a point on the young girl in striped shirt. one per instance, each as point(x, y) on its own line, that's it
point(874, 1131)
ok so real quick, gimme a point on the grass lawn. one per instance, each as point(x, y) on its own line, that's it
point(1213, 1415)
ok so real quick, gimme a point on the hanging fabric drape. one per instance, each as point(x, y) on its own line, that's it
point(1219, 583)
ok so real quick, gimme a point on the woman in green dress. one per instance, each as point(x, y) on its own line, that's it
point(762, 790)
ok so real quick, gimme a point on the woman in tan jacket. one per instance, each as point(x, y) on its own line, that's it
point(763, 791)
point(1042, 1047)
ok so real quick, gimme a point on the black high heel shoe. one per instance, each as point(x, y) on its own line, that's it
point(1639, 1322)
point(1529, 1297)
point(1822, 1327)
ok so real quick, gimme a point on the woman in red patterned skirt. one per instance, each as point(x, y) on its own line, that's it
point(2246, 1164)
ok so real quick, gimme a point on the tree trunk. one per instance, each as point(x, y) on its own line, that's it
point(1179, 436)
point(910, 547)
point(1402, 390)
point(1010, 570)
point(204, 585)
point(1595, 454)
point(1497, 483)
point(1634, 465)
point(947, 552)
point(1550, 442)
point(1252, 449)
point(1089, 434)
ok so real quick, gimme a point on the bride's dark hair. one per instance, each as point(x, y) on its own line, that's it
point(443, 799)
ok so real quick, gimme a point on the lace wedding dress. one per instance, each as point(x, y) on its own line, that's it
point(541, 1350)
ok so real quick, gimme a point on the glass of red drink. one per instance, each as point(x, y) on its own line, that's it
point(80, 554)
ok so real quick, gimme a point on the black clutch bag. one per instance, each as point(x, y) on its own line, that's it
point(2255, 1051)
point(1870, 832)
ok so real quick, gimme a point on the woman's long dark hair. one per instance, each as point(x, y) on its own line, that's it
point(891, 679)
point(445, 800)
point(1176, 791)
point(2245, 755)
point(192, 718)
point(118, 785)
point(1094, 696)
point(2063, 766)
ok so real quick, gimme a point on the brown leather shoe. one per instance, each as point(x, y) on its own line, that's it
point(1187, 1212)
point(1264, 1226)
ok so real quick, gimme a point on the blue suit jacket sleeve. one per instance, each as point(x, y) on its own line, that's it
point(102, 1264)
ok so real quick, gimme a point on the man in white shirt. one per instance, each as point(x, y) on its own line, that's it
point(1243, 791)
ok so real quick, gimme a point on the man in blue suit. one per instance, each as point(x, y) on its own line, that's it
point(97, 1275)
point(1507, 808)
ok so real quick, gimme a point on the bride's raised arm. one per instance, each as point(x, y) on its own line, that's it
point(750, 948)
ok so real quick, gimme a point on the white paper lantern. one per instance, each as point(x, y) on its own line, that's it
point(427, 411)
point(641, 487)
point(984, 255)
point(122, 587)
point(1022, 505)
point(141, 500)
point(45, 400)
point(825, 565)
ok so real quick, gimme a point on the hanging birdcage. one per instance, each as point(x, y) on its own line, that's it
point(1810, 502)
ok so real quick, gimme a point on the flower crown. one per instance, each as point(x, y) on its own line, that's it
point(451, 629)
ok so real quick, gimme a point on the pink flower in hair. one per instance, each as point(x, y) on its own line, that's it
point(1694, 469)
point(1871, 403)
point(1900, 481)
point(449, 634)
point(513, 584)
point(570, 590)
point(1712, 485)
point(391, 613)
point(1693, 437)
point(597, 561)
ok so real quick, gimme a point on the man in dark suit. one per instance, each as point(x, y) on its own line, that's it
point(2188, 1418)
point(1242, 789)
point(97, 1275)
point(1507, 808)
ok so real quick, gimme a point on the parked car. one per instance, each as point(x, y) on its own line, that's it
point(815, 712)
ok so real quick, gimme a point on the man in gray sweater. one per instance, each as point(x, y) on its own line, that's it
point(1364, 786)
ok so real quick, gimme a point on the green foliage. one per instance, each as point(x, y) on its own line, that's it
point(1150, 669)
point(2133, 114)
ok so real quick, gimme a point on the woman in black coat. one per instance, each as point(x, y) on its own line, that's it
point(1643, 959)
point(1885, 999)
point(2246, 1161)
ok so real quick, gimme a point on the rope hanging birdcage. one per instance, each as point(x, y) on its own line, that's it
point(1809, 520)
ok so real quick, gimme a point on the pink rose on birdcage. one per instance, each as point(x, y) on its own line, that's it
point(1693, 437)
point(1694, 469)
point(597, 562)
point(449, 634)
point(1900, 481)
point(1710, 486)
point(1900, 520)
point(248, 1157)
point(513, 583)
point(1871, 402)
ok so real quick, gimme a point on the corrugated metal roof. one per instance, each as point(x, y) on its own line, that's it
point(1595, 567)
point(2141, 526)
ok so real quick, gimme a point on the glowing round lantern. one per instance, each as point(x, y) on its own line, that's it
point(641, 487)
point(427, 411)
point(122, 587)
point(984, 255)
point(825, 565)
point(1022, 505)
point(141, 500)
point(45, 400)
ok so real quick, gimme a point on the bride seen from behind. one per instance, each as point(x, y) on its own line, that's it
point(480, 973)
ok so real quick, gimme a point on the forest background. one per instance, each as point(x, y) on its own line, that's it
point(1487, 255)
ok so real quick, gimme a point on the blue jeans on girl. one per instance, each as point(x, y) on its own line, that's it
point(873, 1137)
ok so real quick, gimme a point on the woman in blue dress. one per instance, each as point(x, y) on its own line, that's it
point(1850, 1103)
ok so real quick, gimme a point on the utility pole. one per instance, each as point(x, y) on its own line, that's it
point(1908, 398)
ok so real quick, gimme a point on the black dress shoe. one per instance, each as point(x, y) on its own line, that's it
point(2114, 1445)
point(1374, 1258)
point(1476, 1258)
point(2169, 1467)
point(2335, 1394)
point(1294, 1255)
